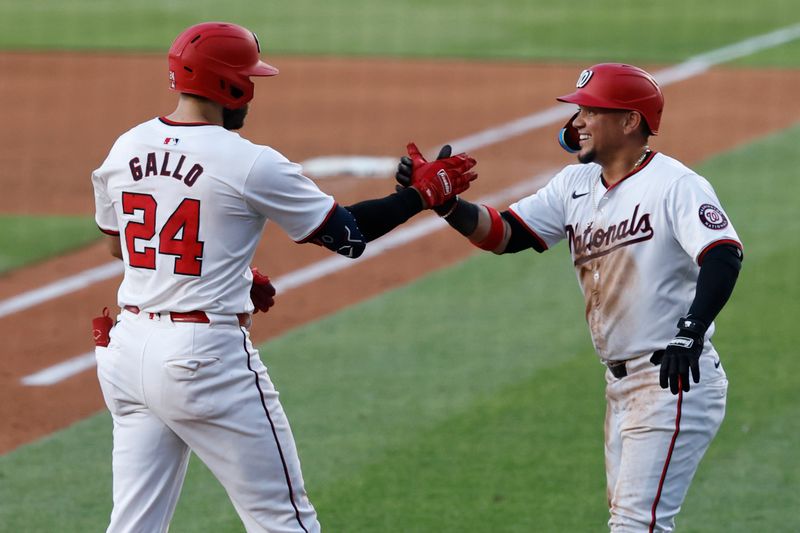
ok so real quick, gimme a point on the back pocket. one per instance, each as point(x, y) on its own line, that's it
point(184, 369)
point(191, 387)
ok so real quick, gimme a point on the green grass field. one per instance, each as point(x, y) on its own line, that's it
point(601, 30)
point(470, 400)
point(27, 238)
point(628, 30)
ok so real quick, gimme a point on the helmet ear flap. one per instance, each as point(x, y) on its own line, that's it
point(568, 137)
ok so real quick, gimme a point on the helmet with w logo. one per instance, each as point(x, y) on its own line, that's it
point(216, 60)
point(619, 86)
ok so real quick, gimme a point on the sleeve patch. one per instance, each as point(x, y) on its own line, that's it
point(712, 217)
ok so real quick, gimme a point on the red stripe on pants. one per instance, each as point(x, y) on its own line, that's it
point(669, 456)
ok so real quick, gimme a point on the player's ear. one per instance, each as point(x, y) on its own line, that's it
point(632, 122)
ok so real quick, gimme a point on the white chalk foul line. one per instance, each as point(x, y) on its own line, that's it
point(61, 371)
point(315, 271)
point(692, 67)
point(60, 288)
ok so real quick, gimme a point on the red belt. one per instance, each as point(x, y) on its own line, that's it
point(199, 317)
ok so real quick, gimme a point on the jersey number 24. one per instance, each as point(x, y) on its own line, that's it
point(188, 249)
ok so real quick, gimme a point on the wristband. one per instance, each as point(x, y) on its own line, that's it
point(692, 325)
point(496, 231)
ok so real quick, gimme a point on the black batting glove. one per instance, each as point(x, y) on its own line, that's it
point(683, 355)
point(403, 178)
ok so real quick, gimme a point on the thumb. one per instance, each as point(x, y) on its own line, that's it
point(413, 152)
point(445, 152)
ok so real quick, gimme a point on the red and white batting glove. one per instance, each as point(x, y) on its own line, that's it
point(439, 181)
point(261, 292)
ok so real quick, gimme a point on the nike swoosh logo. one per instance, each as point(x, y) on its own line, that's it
point(576, 196)
point(716, 363)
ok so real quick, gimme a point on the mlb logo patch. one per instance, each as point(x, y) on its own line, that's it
point(171, 141)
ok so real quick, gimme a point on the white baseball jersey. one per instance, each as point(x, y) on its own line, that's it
point(636, 246)
point(191, 202)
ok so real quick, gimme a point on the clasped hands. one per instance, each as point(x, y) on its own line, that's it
point(439, 181)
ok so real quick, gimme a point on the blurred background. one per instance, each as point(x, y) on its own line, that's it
point(429, 387)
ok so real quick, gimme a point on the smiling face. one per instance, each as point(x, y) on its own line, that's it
point(601, 133)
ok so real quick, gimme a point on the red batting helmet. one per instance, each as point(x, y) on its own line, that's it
point(618, 86)
point(215, 60)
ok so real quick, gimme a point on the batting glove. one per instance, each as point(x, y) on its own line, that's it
point(262, 293)
point(437, 182)
point(403, 178)
point(682, 355)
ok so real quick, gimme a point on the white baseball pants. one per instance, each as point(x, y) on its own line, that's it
point(173, 388)
point(655, 440)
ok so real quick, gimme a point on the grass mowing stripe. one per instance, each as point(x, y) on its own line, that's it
point(488, 364)
point(749, 478)
point(492, 467)
point(514, 29)
point(384, 386)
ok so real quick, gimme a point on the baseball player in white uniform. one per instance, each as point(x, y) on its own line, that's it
point(656, 258)
point(185, 199)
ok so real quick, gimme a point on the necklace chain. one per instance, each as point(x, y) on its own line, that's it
point(595, 202)
point(642, 158)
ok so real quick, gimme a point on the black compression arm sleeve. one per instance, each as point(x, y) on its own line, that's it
point(380, 216)
point(521, 238)
point(715, 282)
point(463, 217)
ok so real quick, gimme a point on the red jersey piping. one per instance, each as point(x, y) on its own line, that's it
point(111, 232)
point(168, 122)
point(319, 227)
point(530, 230)
point(636, 170)
point(714, 244)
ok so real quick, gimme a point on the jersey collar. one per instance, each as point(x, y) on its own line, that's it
point(168, 122)
point(636, 170)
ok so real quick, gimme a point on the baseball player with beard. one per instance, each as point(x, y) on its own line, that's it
point(656, 258)
point(185, 199)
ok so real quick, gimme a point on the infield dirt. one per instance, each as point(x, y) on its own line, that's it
point(62, 112)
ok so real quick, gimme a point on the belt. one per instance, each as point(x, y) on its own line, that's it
point(198, 317)
point(619, 371)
